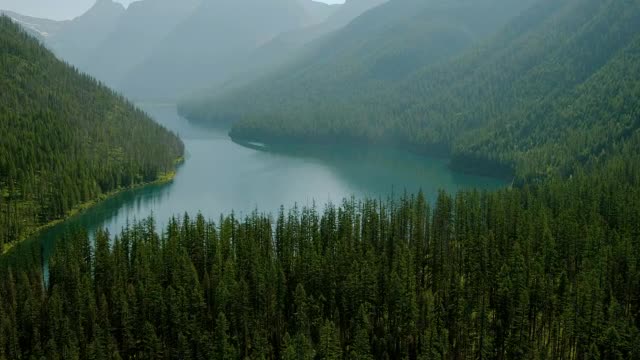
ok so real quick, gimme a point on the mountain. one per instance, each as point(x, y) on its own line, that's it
point(317, 12)
point(55, 10)
point(206, 46)
point(547, 268)
point(350, 10)
point(144, 25)
point(153, 49)
point(558, 98)
point(75, 40)
point(378, 50)
point(39, 28)
point(519, 103)
point(292, 44)
point(66, 140)
point(80, 37)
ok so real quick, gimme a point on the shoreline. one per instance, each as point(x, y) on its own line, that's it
point(163, 179)
point(267, 143)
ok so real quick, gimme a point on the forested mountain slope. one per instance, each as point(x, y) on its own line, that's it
point(66, 140)
point(154, 49)
point(498, 107)
point(569, 109)
point(74, 41)
point(108, 41)
point(39, 28)
point(375, 52)
point(522, 106)
point(546, 269)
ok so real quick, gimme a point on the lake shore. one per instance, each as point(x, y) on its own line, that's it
point(165, 178)
point(222, 176)
point(456, 162)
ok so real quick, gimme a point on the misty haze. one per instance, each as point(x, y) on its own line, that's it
point(296, 179)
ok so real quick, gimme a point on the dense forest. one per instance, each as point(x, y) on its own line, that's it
point(538, 272)
point(66, 139)
point(558, 81)
point(548, 268)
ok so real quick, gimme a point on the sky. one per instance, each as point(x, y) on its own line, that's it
point(63, 9)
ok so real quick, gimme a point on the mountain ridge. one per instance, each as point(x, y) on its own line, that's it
point(467, 107)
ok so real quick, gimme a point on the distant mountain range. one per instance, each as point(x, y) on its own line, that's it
point(75, 40)
point(140, 29)
point(205, 46)
point(167, 49)
point(40, 28)
point(291, 45)
point(80, 38)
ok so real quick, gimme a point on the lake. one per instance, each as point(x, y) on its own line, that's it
point(220, 176)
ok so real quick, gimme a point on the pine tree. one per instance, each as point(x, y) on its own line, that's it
point(224, 349)
point(329, 347)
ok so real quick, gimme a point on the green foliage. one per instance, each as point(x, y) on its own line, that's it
point(66, 140)
point(328, 83)
point(552, 92)
point(543, 271)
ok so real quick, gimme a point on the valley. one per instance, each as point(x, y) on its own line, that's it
point(220, 176)
point(298, 180)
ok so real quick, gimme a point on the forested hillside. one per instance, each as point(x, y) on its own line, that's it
point(40, 28)
point(571, 108)
point(66, 140)
point(153, 49)
point(374, 53)
point(548, 268)
point(542, 272)
point(74, 41)
point(555, 83)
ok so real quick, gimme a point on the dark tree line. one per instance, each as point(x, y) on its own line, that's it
point(65, 139)
point(540, 272)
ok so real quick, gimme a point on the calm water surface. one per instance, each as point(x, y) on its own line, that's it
point(220, 176)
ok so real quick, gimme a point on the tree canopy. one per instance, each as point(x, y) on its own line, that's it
point(548, 271)
point(66, 139)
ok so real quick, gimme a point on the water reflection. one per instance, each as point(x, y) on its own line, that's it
point(220, 176)
point(380, 170)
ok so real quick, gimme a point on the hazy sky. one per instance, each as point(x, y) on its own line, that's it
point(63, 9)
